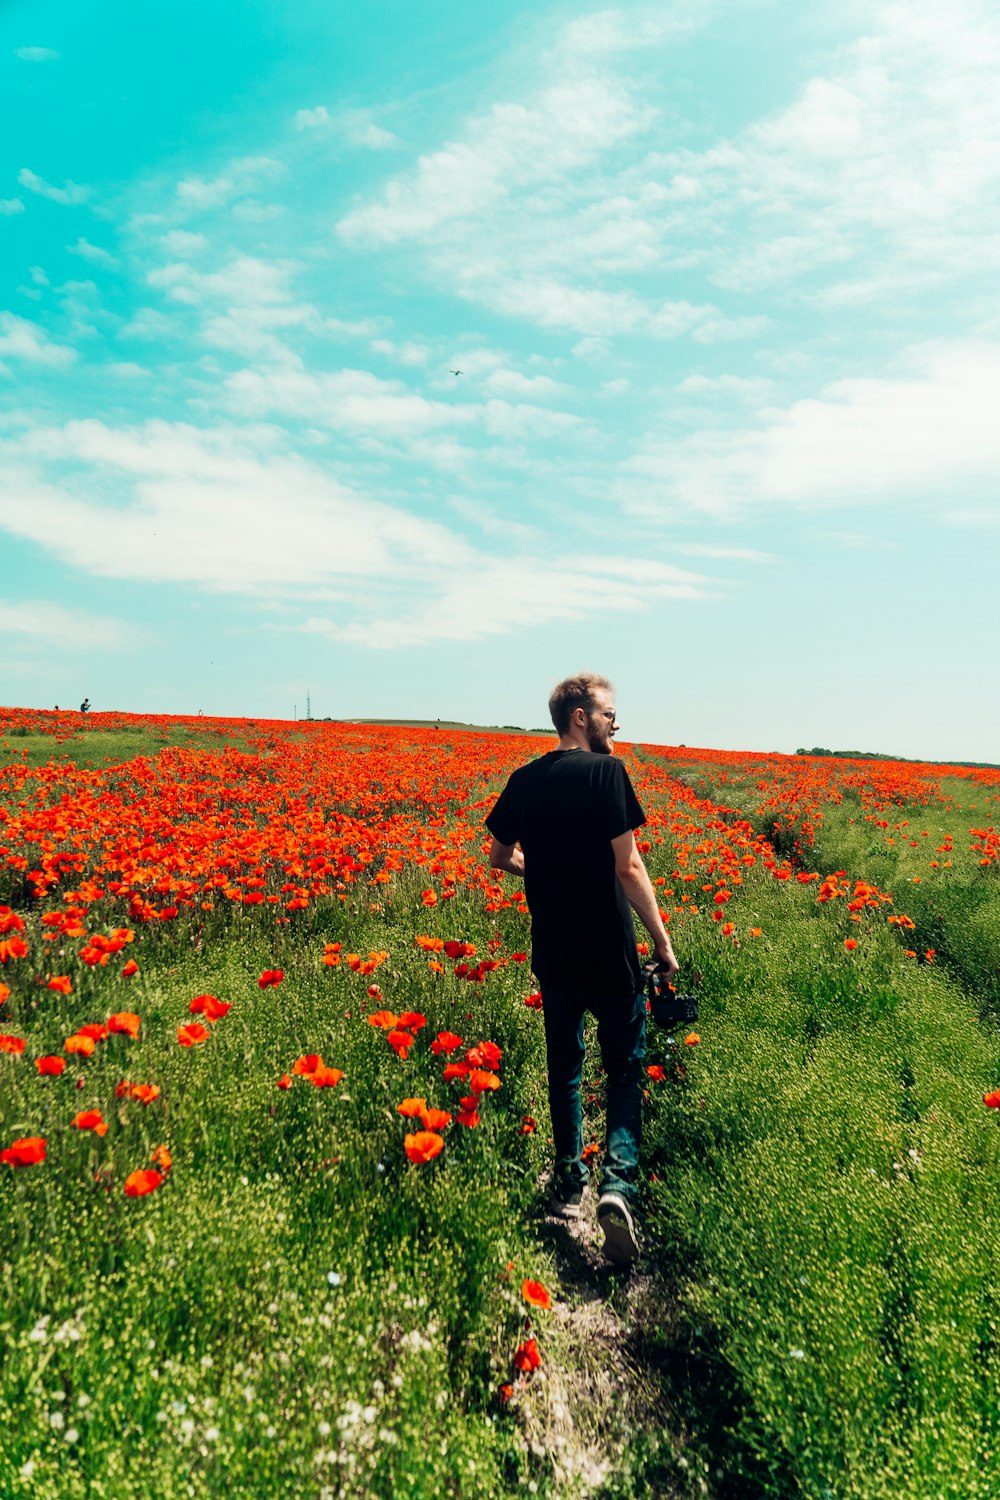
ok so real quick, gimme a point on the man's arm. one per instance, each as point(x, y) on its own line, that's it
point(636, 884)
point(506, 857)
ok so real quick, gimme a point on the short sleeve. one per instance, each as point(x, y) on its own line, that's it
point(503, 819)
point(622, 811)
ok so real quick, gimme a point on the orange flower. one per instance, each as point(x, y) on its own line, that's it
point(4, 993)
point(535, 1294)
point(12, 948)
point(285, 1081)
point(384, 1020)
point(306, 1064)
point(455, 1070)
point(412, 1020)
point(95, 1029)
point(527, 1126)
point(12, 1044)
point(271, 977)
point(209, 1007)
point(527, 1357)
point(90, 1119)
point(534, 1002)
point(423, 1146)
point(850, 944)
point(126, 1022)
point(26, 1152)
point(130, 968)
point(756, 931)
point(482, 1082)
point(138, 1184)
point(445, 1042)
point(84, 1045)
point(324, 1077)
point(161, 1158)
point(61, 983)
point(144, 1092)
point(412, 1109)
point(992, 1101)
point(192, 1035)
point(436, 1119)
point(655, 1071)
point(401, 1042)
point(692, 1039)
point(468, 1117)
point(50, 1065)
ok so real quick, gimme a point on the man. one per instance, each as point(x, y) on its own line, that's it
point(573, 812)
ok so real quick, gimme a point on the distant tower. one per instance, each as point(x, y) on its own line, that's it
point(309, 712)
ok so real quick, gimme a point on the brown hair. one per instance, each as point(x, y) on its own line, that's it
point(572, 693)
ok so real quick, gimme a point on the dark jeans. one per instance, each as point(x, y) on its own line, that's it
point(621, 1033)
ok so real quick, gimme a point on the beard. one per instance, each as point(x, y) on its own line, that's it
point(599, 738)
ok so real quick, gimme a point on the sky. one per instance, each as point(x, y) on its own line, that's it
point(720, 282)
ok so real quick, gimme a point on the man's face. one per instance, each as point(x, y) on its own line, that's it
point(601, 723)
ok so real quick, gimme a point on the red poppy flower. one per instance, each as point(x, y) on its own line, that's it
point(527, 1357)
point(850, 944)
point(307, 1064)
point(271, 977)
point(535, 1294)
point(468, 1117)
point(209, 1007)
point(90, 1119)
point(84, 1045)
point(992, 1101)
point(436, 1119)
point(50, 1065)
point(692, 1039)
point(656, 1071)
point(482, 1082)
point(324, 1077)
point(145, 1092)
point(130, 968)
point(138, 1184)
point(384, 1020)
point(400, 1042)
point(534, 1002)
point(192, 1035)
point(94, 1029)
point(61, 983)
point(446, 1042)
point(285, 1081)
point(423, 1146)
point(12, 1044)
point(412, 1020)
point(161, 1158)
point(455, 1070)
point(412, 1109)
point(527, 1126)
point(26, 1152)
point(126, 1022)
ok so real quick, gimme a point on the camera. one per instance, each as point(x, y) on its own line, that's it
point(667, 1008)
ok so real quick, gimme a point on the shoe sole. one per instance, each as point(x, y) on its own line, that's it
point(620, 1244)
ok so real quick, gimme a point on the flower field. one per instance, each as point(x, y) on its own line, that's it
point(273, 1122)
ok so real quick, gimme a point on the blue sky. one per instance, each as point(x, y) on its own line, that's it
point(721, 282)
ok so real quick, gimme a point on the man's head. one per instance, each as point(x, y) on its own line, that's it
point(582, 710)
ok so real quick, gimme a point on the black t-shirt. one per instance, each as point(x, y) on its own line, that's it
point(564, 809)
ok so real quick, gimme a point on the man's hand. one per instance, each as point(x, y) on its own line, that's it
point(668, 963)
point(506, 857)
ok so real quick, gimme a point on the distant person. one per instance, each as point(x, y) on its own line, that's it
point(85, 706)
point(573, 812)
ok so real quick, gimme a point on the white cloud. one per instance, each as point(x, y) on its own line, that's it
point(20, 339)
point(216, 508)
point(929, 431)
point(351, 400)
point(362, 130)
point(53, 625)
point(312, 119)
point(10, 206)
point(36, 54)
point(200, 194)
point(93, 253)
point(517, 593)
point(709, 549)
point(71, 193)
point(181, 242)
point(128, 370)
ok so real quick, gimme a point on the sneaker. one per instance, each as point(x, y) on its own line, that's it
point(565, 1203)
point(620, 1243)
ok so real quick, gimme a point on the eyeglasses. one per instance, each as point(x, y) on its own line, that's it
point(608, 713)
